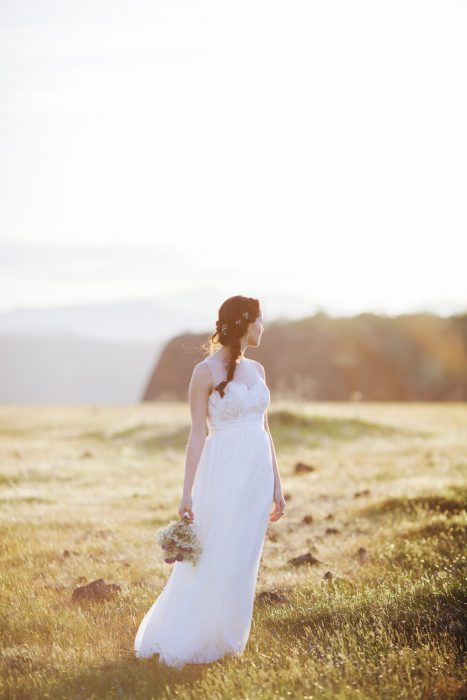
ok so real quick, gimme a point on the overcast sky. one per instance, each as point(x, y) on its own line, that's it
point(314, 148)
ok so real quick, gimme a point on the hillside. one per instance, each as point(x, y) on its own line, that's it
point(411, 357)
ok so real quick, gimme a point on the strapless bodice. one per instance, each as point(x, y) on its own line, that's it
point(244, 402)
point(241, 407)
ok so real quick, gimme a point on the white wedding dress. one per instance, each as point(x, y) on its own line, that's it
point(204, 612)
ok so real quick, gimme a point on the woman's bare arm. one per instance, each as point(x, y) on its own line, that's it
point(198, 393)
point(277, 478)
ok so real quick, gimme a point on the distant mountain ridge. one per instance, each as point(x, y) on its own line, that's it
point(100, 353)
point(128, 321)
point(36, 370)
point(140, 319)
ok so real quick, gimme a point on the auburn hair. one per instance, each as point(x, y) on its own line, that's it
point(234, 316)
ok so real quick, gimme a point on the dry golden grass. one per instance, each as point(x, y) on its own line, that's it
point(98, 481)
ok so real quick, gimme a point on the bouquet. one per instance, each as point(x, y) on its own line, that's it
point(179, 542)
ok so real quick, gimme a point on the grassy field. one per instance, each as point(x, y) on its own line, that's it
point(83, 490)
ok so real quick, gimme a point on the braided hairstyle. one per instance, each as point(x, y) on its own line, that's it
point(234, 316)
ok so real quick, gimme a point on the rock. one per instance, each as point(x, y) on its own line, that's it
point(302, 468)
point(362, 554)
point(307, 519)
point(332, 531)
point(365, 492)
point(307, 558)
point(274, 596)
point(96, 590)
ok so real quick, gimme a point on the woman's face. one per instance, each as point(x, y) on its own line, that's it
point(255, 331)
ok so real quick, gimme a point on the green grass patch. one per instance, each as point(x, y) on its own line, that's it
point(174, 439)
point(290, 426)
point(9, 479)
point(452, 501)
point(25, 500)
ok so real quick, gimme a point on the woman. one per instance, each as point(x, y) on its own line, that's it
point(231, 479)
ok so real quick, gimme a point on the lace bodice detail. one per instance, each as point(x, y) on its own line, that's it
point(246, 396)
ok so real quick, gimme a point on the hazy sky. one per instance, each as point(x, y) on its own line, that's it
point(315, 148)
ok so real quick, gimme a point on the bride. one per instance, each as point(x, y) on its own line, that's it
point(231, 491)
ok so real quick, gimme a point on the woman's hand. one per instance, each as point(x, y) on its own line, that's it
point(186, 505)
point(279, 504)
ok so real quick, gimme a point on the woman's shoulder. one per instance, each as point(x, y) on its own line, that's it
point(258, 365)
point(201, 369)
point(250, 359)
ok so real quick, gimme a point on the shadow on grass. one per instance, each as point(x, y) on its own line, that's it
point(29, 500)
point(145, 436)
point(453, 502)
point(126, 677)
point(175, 439)
point(290, 426)
point(287, 427)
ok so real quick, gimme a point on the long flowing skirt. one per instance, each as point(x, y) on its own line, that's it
point(204, 612)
